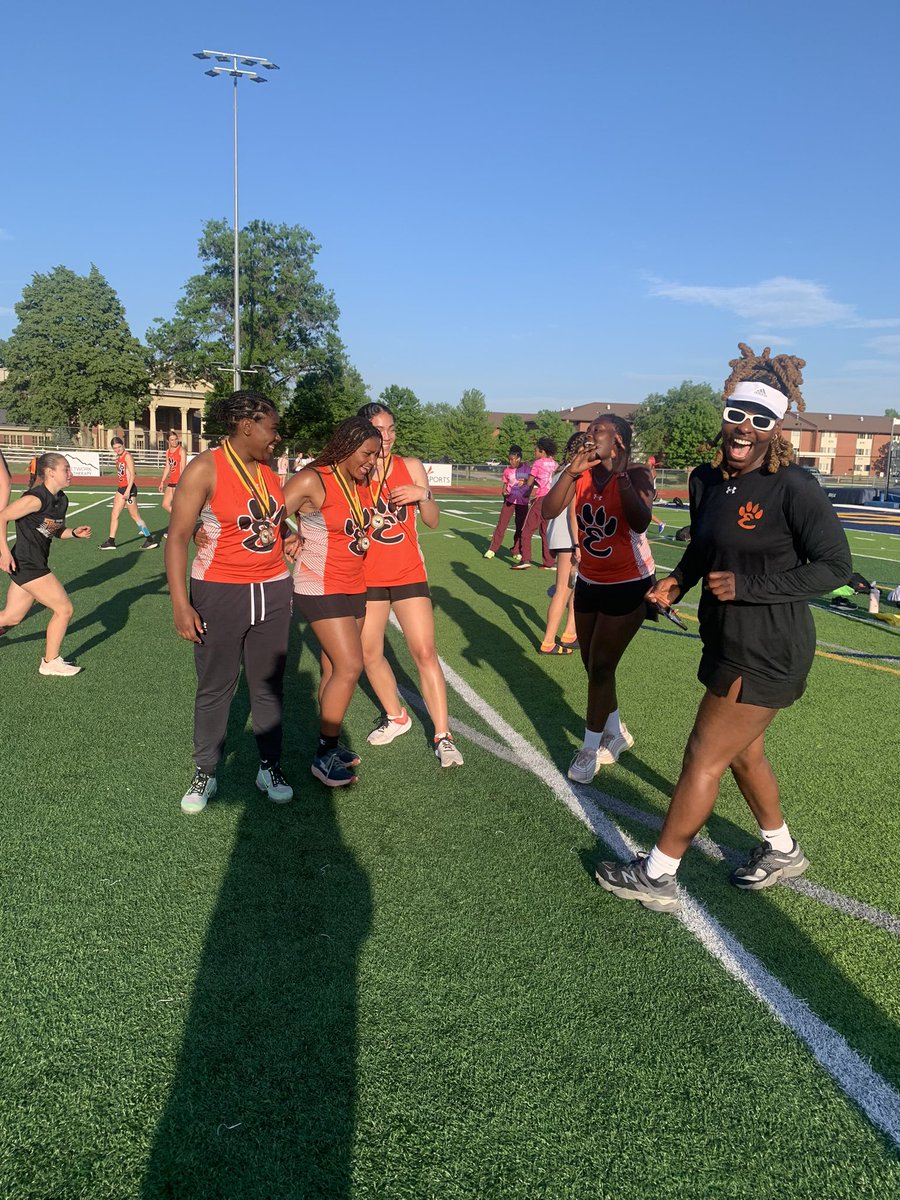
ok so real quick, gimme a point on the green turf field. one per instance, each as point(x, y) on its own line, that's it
point(412, 988)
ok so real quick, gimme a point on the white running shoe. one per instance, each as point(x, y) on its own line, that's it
point(389, 729)
point(203, 787)
point(585, 765)
point(612, 745)
point(488, 554)
point(57, 666)
point(446, 752)
point(271, 781)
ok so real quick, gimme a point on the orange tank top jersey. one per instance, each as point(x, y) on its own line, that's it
point(394, 557)
point(173, 461)
point(611, 552)
point(330, 562)
point(244, 543)
point(121, 472)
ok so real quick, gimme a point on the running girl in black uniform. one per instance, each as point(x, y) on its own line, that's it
point(40, 516)
point(765, 540)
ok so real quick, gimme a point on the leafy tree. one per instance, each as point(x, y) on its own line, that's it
point(469, 431)
point(437, 418)
point(549, 423)
point(676, 426)
point(892, 412)
point(412, 437)
point(288, 318)
point(322, 398)
point(72, 358)
point(512, 432)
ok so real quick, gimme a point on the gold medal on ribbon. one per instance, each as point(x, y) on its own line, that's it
point(351, 495)
point(256, 487)
point(266, 535)
point(377, 521)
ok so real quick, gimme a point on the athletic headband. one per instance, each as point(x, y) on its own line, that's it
point(766, 397)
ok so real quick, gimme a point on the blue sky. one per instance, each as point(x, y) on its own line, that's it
point(556, 204)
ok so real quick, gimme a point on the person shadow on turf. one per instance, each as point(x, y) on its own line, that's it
point(263, 1098)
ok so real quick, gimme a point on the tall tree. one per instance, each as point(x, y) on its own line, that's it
point(288, 318)
point(892, 412)
point(72, 359)
point(322, 397)
point(548, 423)
point(675, 427)
point(437, 418)
point(469, 431)
point(412, 437)
point(512, 432)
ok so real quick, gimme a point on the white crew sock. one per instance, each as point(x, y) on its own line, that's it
point(779, 839)
point(613, 726)
point(592, 739)
point(661, 864)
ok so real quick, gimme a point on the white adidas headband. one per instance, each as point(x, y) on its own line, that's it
point(767, 397)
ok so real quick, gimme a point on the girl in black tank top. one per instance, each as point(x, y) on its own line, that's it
point(40, 516)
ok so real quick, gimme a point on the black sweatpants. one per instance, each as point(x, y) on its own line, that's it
point(244, 622)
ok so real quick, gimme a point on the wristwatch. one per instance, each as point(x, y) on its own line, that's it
point(428, 494)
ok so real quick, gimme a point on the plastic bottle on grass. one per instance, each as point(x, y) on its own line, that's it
point(874, 597)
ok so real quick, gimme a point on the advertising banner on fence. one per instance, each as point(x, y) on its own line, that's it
point(439, 474)
point(83, 462)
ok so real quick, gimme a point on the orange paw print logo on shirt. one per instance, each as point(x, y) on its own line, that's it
point(749, 514)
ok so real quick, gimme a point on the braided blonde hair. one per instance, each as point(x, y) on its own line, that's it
point(784, 372)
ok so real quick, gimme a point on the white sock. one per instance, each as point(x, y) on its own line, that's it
point(613, 726)
point(779, 839)
point(592, 739)
point(661, 864)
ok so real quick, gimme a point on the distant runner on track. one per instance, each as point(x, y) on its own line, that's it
point(126, 497)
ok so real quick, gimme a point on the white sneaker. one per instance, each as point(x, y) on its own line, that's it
point(585, 765)
point(389, 729)
point(611, 746)
point(488, 554)
point(203, 788)
point(271, 781)
point(446, 752)
point(57, 666)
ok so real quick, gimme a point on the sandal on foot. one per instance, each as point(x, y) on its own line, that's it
point(556, 649)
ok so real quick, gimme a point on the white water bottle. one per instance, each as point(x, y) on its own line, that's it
point(874, 597)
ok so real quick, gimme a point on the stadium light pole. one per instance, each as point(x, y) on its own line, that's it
point(236, 72)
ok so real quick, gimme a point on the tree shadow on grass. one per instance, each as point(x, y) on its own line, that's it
point(263, 1098)
point(520, 613)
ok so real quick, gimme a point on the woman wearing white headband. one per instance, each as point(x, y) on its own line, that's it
point(765, 540)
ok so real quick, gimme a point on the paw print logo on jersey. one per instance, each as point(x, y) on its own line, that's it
point(749, 515)
point(263, 532)
point(389, 531)
point(596, 528)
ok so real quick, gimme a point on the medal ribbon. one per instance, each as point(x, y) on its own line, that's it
point(256, 487)
point(382, 482)
point(352, 498)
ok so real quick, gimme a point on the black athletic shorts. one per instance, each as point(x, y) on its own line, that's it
point(28, 572)
point(403, 592)
point(131, 495)
point(611, 599)
point(717, 677)
point(564, 550)
point(326, 608)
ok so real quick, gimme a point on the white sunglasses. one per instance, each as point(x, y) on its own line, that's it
point(737, 416)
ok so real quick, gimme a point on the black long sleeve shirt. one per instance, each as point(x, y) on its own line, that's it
point(780, 536)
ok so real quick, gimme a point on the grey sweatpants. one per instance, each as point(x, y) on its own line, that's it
point(246, 623)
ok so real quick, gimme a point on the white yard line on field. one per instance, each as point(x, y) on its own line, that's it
point(853, 1075)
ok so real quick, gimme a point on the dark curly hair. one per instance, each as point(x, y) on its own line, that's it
point(227, 412)
point(346, 440)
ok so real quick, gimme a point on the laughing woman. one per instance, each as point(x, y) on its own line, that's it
point(765, 540)
point(396, 579)
point(331, 497)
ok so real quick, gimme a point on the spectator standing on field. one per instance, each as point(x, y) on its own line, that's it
point(542, 471)
point(515, 503)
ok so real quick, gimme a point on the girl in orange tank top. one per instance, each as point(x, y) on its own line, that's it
point(332, 499)
point(612, 509)
point(176, 461)
point(396, 579)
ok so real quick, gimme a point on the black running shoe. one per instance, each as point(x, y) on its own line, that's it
point(766, 866)
point(630, 881)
